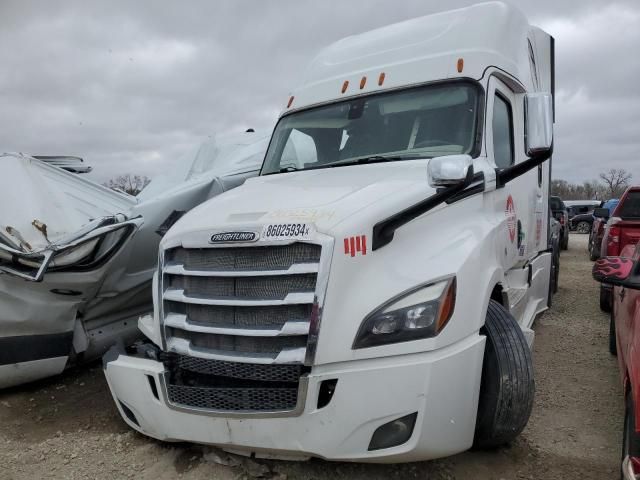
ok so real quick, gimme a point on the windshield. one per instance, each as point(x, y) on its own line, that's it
point(419, 122)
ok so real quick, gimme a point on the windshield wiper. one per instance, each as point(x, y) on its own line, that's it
point(288, 169)
point(370, 159)
point(346, 163)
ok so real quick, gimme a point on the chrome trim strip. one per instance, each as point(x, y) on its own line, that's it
point(178, 295)
point(290, 328)
point(298, 268)
point(322, 281)
point(184, 347)
point(160, 293)
point(296, 412)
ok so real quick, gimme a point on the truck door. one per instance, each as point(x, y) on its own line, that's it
point(521, 205)
point(523, 200)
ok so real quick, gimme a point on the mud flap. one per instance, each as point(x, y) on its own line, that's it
point(25, 358)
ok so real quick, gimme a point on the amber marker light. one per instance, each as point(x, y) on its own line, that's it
point(460, 65)
point(363, 82)
point(381, 79)
point(290, 102)
point(345, 85)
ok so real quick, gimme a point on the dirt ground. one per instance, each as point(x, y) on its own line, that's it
point(68, 427)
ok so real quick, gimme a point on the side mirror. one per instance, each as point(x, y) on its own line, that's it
point(449, 170)
point(601, 212)
point(538, 112)
point(616, 271)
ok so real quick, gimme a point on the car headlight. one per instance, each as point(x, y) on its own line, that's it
point(90, 252)
point(420, 313)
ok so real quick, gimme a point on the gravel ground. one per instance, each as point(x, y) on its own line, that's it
point(68, 427)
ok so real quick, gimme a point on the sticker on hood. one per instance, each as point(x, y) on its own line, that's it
point(287, 231)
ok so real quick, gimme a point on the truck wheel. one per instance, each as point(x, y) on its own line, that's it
point(605, 300)
point(613, 347)
point(593, 255)
point(507, 386)
point(564, 243)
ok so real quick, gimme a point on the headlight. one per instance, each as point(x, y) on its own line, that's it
point(420, 313)
point(74, 254)
point(91, 252)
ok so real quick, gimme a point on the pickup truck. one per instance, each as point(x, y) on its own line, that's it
point(622, 275)
point(597, 229)
point(622, 229)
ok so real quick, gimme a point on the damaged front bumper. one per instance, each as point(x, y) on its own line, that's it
point(439, 389)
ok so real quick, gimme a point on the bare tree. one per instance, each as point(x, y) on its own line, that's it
point(588, 190)
point(127, 183)
point(616, 181)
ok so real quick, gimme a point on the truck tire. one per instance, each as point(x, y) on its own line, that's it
point(613, 347)
point(564, 243)
point(605, 300)
point(507, 386)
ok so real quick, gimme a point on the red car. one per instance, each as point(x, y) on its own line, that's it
point(622, 229)
point(622, 273)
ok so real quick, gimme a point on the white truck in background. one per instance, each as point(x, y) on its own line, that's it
point(370, 296)
point(77, 259)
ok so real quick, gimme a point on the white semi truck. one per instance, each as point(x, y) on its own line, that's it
point(369, 296)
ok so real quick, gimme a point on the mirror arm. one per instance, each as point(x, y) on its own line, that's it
point(505, 175)
point(383, 231)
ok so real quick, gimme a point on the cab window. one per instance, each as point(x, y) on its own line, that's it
point(502, 132)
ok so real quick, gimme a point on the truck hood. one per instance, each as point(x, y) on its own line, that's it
point(324, 197)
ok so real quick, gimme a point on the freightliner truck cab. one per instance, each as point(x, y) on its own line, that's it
point(370, 295)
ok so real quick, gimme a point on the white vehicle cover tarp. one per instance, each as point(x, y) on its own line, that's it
point(77, 259)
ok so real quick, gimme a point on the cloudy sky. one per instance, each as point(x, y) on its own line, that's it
point(130, 86)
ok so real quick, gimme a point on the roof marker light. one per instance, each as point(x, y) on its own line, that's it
point(345, 85)
point(381, 79)
point(363, 82)
point(460, 65)
point(290, 102)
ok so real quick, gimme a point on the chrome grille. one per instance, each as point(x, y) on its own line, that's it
point(266, 287)
point(242, 317)
point(247, 258)
point(239, 344)
point(238, 320)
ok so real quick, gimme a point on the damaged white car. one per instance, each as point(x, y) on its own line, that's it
point(77, 259)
